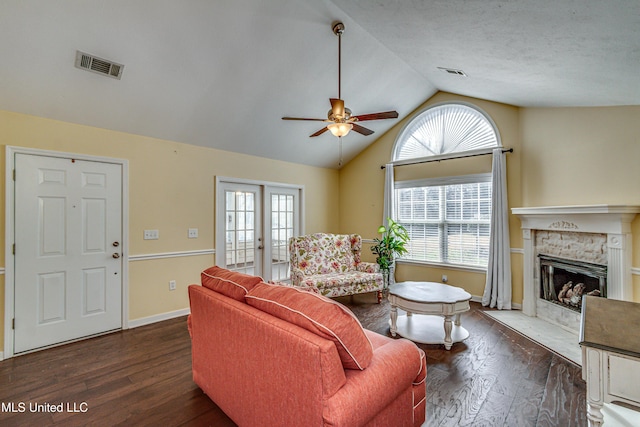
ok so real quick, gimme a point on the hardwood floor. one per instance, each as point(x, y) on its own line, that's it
point(496, 377)
point(143, 377)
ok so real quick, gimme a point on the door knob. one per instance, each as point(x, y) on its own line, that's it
point(116, 255)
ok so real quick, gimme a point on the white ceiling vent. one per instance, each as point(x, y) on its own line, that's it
point(98, 65)
point(453, 71)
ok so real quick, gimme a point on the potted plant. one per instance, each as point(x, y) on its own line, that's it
point(389, 247)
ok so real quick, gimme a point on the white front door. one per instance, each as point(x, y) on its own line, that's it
point(68, 247)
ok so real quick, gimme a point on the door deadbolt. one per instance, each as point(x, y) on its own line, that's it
point(116, 244)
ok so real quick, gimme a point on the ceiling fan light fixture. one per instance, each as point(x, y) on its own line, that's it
point(340, 129)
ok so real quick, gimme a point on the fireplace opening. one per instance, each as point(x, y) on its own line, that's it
point(565, 282)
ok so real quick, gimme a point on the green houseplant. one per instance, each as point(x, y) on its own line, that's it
point(389, 247)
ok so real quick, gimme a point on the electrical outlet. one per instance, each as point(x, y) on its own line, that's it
point(172, 285)
point(151, 234)
point(444, 278)
point(193, 233)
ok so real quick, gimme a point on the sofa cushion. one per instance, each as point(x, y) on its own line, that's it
point(318, 314)
point(342, 280)
point(229, 283)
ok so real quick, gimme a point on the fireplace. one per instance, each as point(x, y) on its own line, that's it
point(564, 281)
point(561, 243)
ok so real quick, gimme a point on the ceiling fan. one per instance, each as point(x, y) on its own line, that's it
point(339, 118)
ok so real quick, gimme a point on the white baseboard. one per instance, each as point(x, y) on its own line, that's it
point(158, 318)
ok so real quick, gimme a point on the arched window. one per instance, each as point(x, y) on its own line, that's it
point(448, 218)
point(445, 129)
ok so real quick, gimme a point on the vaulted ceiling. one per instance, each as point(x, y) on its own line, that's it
point(222, 73)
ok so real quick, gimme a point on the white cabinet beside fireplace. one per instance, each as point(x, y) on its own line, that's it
point(610, 377)
point(610, 354)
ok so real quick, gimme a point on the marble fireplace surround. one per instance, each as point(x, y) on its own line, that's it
point(611, 222)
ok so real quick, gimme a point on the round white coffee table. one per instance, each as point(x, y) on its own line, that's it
point(431, 301)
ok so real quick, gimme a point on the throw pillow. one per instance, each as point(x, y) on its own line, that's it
point(229, 283)
point(318, 314)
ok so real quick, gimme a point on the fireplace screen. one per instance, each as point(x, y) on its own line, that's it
point(565, 281)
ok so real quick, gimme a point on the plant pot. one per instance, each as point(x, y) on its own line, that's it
point(387, 280)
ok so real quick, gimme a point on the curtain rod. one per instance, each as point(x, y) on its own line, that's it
point(508, 150)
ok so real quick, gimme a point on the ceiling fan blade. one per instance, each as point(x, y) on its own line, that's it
point(377, 116)
point(320, 132)
point(337, 105)
point(304, 118)
point(361, 129)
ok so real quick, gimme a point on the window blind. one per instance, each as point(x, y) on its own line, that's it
point(447, 223)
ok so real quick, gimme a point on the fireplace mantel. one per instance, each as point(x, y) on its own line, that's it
point(612, 220)
point(609, 219)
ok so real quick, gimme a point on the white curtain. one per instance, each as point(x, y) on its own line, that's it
point(497, 291)
point(388, 208)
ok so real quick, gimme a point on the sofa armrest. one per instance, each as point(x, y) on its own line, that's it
point(392, 372)
point(368, 267)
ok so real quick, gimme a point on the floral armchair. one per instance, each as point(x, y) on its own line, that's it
point(331, 264)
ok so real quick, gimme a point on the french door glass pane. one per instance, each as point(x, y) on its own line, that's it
point(281, 230)
point(239, 231)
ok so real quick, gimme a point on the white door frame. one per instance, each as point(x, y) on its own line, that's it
point(220, 237)
point(9, 230)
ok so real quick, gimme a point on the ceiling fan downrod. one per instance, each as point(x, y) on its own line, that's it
point(338, 29)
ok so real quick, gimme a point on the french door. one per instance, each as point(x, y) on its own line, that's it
point(282, 205)
point(253, 225)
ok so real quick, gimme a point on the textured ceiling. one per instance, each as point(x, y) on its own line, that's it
point(222, 73)
point(526, 53)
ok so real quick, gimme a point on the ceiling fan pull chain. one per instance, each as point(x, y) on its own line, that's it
point(340, 144)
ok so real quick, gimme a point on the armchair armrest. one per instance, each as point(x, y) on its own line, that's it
point(296, 276)
point(368, 267)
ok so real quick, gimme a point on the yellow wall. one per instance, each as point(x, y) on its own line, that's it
point(580, 156)
point(171, 188)
point(362, 188)
point(563, 156)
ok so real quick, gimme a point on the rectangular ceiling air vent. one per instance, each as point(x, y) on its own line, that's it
point(453, 71)
point(98, 65)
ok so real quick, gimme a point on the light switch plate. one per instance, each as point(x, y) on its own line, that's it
point(151, 234)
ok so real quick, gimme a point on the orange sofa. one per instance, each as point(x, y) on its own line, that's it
point(273, 355)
